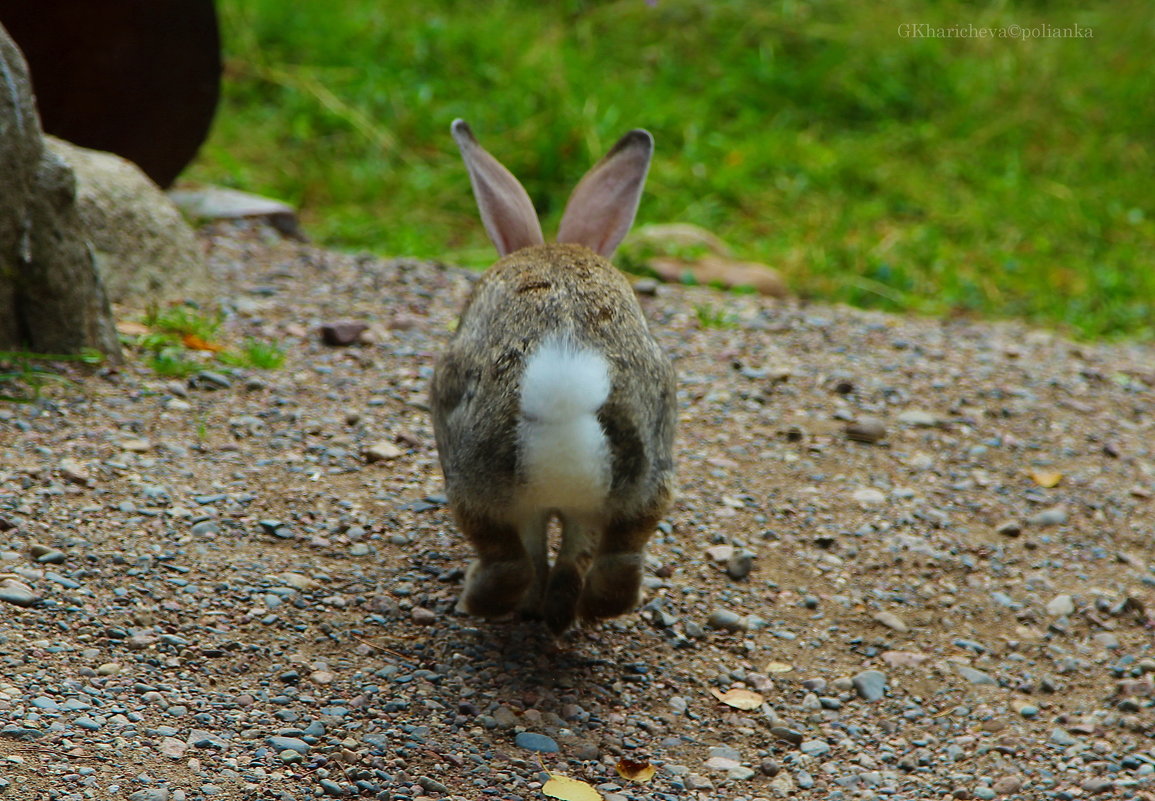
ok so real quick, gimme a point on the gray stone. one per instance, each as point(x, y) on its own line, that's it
point(1061, 606)
point(697, 782)
point(974, 676)
point(505, 717)
point(870, 684)
point(726, 620)
point(740, 563)
point(146, 253)
point(891, 621)
point(918, 418)
point(52, 299)
point(1054, 516)
point(725, 752)
point(18, 594)
point(219, 203)
point(432, 785)
point(815, 748)
point(1097, 784)
point(532, 741)
point(150, 794)
point(281, 743)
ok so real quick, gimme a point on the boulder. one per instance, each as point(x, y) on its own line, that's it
point(146, 253)
point(51, 296)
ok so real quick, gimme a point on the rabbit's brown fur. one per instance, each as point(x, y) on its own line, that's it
point(537, 295)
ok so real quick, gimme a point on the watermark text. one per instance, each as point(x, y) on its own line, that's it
point(924, 30)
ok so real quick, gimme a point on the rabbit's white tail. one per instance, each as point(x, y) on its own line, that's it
point(566, 458)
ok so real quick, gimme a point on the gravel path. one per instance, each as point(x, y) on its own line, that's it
point(921, 549)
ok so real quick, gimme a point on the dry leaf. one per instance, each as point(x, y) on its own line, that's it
point(1046, 479)
point(568, 789)
point(636, 771)
point(739, 699)
point(193, 342)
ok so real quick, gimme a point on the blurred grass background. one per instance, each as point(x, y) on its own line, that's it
point(990, 177)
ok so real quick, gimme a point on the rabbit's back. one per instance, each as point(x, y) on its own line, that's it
point(535, 301)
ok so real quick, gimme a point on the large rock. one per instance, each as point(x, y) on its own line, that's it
point(146, 253)
point(51, 296)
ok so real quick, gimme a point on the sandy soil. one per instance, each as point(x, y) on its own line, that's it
point(212, 567)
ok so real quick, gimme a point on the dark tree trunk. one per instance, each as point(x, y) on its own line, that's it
point(51, 296)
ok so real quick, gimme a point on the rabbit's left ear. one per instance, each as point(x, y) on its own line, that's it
point(505, 207)
point(602, 207)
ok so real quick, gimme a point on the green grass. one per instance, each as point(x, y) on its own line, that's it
point(254, 353)
point(184, 320)
point(973, 176)
point(711, 316)
point(182, 341)
point(24, 375)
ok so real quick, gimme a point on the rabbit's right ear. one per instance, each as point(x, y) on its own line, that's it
point(505, 207)
point(602, 207)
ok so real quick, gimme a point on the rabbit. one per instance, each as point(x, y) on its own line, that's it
point(553, 400)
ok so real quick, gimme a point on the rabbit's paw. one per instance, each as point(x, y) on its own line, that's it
point(561, 597)
point(611, 586)
point(493, 589)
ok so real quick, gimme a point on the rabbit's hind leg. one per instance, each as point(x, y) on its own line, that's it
point(497, 580)
point(534, 532)
point(614, 579)
point(567, 578)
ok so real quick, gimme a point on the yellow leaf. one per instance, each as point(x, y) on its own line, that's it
point(739, 699)
point(568, 789)
point(636, 771)
point(1047, 479)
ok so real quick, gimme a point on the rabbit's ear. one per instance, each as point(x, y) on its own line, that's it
point(505, 207)
point(602, 207)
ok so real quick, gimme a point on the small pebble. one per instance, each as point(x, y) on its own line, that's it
point(814, 748)
point(727, 620)
point(1054, 516)
point(18, 594)
point(383, 451)
point(339, 334)
point(739, 565)
point(866, 429)
point(975, 676)
point(1061, 606)
point(532, 741)
point(422, 616)
point(891, 621)
point(870, 684)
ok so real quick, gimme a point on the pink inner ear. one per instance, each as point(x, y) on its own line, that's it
point(603, 205)
point(506, 210)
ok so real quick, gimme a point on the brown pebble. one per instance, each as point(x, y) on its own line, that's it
point(74, 471)
point(382, 452)
point(866, 429)
point(422, 616)
point(343, 333)
point(1009, 528)
point(1007, 785)
point(404, 322)
point(1097, 784)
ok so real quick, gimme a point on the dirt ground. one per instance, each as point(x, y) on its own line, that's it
point(954, 600)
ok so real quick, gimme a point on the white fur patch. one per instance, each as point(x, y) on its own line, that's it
point(565, 453)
